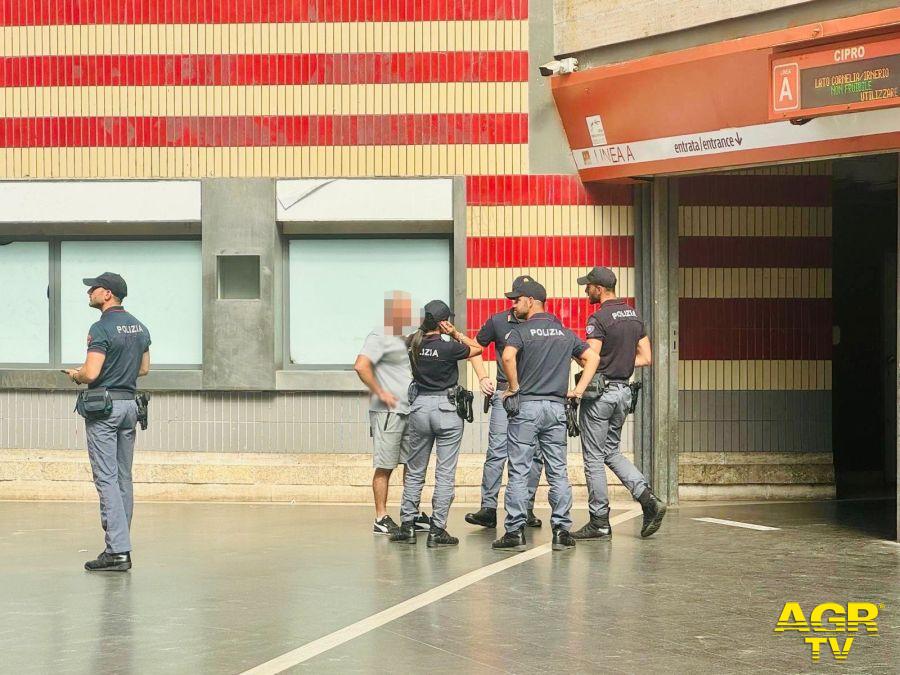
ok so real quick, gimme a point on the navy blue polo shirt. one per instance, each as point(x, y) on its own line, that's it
point(620, 327)
point(495, 330)
point(545, 351)
point(123, 339)
point(434, 368)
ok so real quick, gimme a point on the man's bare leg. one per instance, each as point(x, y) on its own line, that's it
point(380, 482)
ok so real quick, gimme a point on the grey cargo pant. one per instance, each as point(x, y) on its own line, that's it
point(540, 427)
point(601, 422)
point(497, 454)
point(111, 451)
point(432, 422)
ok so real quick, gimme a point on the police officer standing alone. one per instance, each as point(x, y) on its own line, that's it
point(495, 330)
point(536, 361)
point(615, 332)
point(434, 350)
point(118, 352)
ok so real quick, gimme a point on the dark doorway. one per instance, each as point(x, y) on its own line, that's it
point(864, 290)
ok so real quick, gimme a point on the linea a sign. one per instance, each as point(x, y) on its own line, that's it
point(738, 139)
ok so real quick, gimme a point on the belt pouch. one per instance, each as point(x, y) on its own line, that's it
point(94, 404)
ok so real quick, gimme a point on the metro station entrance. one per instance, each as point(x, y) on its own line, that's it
point(864, 290)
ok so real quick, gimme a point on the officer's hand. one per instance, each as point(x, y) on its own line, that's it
point(573, 394)
point(509, 392)
point(487, 386)
point(70, 373)
point(447, 327)
point(388, 399)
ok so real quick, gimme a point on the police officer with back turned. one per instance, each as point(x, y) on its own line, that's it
point(536, 362)
point(495, 330)
point(615, 332)
point(118, 352)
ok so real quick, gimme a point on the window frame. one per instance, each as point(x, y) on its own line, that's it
point(54, 283)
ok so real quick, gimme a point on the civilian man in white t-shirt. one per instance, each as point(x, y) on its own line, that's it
point(383, 366)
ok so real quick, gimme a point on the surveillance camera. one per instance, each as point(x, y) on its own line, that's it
point(562, 67)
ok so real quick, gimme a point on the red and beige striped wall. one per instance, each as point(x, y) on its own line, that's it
point(755, 316)
point(552, 228)
point(199, 88)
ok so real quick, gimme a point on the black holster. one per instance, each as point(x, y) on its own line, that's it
point(412, 392)
point(462, 399)
point(572, 417)
point(635, 395)
point(94, 404)
point(511, 405)
point(142, 399)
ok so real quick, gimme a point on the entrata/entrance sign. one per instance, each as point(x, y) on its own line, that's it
point(842, 77)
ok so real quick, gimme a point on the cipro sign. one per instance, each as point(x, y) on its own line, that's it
point(839, 78)
point(830, 627)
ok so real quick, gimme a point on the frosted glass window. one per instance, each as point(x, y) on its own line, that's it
point(164, 292)
point(24, 306)
point(337, 289)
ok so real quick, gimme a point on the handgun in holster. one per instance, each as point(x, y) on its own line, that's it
point(595, 388)
point(462, 398)
point(635, 395)
point(142, 399)
point(572, 417)
point(412, 392)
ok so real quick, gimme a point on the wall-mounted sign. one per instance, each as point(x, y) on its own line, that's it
point(858, 75)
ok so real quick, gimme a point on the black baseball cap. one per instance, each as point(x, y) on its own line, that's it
point(438, 310)
point(601, 276)
point(528, 287)
point(111, 282)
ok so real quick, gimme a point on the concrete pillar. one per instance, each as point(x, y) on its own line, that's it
point(239, 334)
point(660, 249)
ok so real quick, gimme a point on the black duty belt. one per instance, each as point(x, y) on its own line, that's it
point(502, 386)
point(119, 395)
point(442, 392)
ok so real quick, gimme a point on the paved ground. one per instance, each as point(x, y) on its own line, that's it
point(224, 588)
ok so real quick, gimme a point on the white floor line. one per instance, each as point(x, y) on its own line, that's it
point(734, 523)
point(354, 630)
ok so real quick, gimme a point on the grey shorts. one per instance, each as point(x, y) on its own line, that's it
point(390, 438)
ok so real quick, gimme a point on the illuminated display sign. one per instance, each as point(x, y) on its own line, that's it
point(839, 78)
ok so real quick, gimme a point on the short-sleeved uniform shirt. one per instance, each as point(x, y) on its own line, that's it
point(545, 351)
point(390, 361)
point(620, 327)
point(435, 367)
point(123, 339)
point(495, 330)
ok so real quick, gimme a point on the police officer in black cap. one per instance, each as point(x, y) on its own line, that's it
point(615, 332)
point(536, 361)
point(434, 351)
point(118, 352)
point(495, 330)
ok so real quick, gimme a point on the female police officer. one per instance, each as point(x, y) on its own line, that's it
point(434, 350)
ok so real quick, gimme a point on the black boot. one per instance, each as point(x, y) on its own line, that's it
point(511, 541)
point(562, 540)
point(486, 517)
point(110, 562)
point(597, 528)
point(405, 534)
point(532, 520)
point(654, 510)
point(438, 537)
